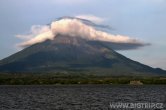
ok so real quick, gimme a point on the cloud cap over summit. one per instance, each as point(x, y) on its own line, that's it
point(78, 27)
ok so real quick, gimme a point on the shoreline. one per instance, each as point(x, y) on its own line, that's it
point(56, 79)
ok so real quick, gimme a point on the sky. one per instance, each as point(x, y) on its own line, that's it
point(141, 19)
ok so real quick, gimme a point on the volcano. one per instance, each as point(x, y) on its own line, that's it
point(67, 54)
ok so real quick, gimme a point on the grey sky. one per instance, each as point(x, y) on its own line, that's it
point(142, 19)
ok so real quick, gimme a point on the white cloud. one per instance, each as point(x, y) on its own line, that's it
point(91, 18)
point(35, 30)
point(75, 28)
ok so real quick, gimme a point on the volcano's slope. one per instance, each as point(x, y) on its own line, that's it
point(66, 54)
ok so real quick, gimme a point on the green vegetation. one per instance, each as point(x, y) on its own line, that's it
point(39, 79)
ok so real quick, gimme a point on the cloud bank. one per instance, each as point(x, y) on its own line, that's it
point(76, 28)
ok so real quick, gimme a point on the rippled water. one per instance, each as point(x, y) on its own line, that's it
point(76, 97)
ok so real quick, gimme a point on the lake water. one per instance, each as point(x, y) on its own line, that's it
point(77, 97)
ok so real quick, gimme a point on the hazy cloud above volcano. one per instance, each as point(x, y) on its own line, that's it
point(77, 28)
point(91, 18)
point(35, 31)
